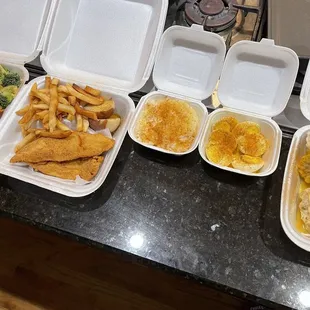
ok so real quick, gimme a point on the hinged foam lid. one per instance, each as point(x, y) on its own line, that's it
point(22, 25)
point(258, 77)
point(108, 43)
point(189, 61)
point(305, 95)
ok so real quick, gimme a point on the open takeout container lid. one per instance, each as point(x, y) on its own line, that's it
point(189, 62)
point(108, 43)
point(305, 95)
point(22, 25)
point(258, 77)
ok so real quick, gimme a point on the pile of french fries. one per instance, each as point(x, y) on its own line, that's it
point(54, 103)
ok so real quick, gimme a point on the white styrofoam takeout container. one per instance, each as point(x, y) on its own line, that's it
point(107, 44)
point(187, 67)
point(292, 180)
point(255, 85)
point(22, 25)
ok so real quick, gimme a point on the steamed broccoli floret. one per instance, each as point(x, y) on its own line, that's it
point(3, 72)
point(11, 78)
point(7, 94)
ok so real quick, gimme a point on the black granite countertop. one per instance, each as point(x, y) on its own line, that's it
point(216, 226)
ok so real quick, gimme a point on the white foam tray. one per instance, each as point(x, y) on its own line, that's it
point(107, 44)
point(290, 190)
point(10, 135)
point(269, 128)
point(255, 85)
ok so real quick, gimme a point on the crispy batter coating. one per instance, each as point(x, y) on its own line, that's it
point(85, 168)
point(77, 145)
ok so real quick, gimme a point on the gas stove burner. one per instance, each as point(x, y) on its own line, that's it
point(214, 15)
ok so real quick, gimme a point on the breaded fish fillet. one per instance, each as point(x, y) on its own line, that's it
point(86, 168)
point(77, 145)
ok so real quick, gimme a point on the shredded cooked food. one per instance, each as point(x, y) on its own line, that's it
point(168, 123)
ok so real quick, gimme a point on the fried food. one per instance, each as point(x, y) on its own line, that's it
point(64, 102)
point(81, 96)
point(253, 144)
point(304, 168)
point(219, 154)
point(77, 145)
point(245, 127)
point(223, 138)
point(92, 91)
point(168, 123)
point(29, 138)
point(247, 163)
point(86, 168)
point(225, 122)
point(56, 134)
point(53, 107)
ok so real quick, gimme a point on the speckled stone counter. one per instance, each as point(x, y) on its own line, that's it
point(179, 213)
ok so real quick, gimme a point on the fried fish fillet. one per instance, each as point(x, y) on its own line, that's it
point(77, 145)
point(86, 168)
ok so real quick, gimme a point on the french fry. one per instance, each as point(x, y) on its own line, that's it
point(88, 114)
point(48, 82)
point(27, 117)
point(62, 126)
point(63, 89)
point(55, 81)
point(23, 111)
point(28, 125)
point(44, 91)
point(87, 98)
point(43, 97)
point(45, 119)
point(66, 108)
point(52, 122)
point(63, 101)
point(62, 95)
point(72, 100)
point(92, 91)
point(79, 122)
point(41, 106)
point(42, 114)
point(57, 134)
point(70, 117)
point(85, 124)
point(24, 131)
point(34, 87)
point(29, 138)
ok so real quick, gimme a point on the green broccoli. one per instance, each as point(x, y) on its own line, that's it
point(11, 78)
point(7, 94)
point(3, 72)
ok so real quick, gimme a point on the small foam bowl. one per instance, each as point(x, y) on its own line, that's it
point(269, 129)
point(196, 105)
